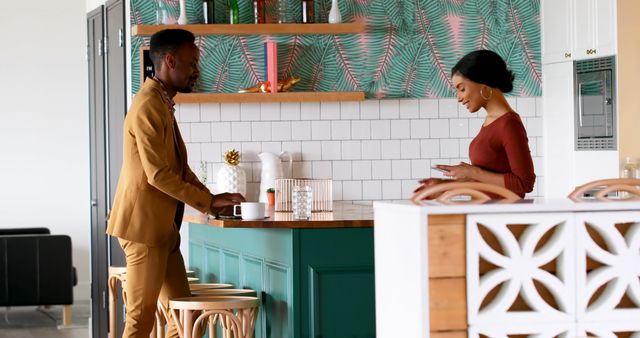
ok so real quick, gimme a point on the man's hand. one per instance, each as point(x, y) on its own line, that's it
point(223, 203)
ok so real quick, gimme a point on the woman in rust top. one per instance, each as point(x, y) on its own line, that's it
point(500, 152)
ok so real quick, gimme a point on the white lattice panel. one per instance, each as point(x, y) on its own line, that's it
point(611, 292)
point(517, 262)
point(609, 329)
point(566, 330)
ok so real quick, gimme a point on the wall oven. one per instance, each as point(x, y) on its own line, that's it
point(595, 104)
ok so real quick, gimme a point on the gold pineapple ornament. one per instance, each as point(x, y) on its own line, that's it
point(231, 177)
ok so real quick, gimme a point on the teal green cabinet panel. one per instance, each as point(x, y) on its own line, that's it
point(312, 282)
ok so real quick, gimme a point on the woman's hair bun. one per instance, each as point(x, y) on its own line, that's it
point(485, 67)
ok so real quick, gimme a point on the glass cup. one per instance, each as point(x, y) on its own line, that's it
point(301, 198)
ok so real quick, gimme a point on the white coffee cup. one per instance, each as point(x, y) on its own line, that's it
point(249, 210)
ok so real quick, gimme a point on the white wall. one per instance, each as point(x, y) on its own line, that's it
point(373, 150)
point(44, 150)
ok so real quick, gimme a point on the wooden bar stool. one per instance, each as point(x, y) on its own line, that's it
point(162, 315)
point(603, 190)
point(116, 273)
point(200, 286)
point(476, 193)
point(237, 315)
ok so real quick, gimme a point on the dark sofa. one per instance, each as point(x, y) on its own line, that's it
point(36, 269)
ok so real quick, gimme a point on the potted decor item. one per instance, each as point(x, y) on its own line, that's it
point(231, 178)
point(271, 196)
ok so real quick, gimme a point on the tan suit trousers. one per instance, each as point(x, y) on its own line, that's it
point(152, 272)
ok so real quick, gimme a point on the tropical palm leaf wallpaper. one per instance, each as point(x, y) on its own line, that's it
point(407, 50)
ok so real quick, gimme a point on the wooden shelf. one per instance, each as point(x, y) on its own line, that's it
point(269, 97)
point(256, 29)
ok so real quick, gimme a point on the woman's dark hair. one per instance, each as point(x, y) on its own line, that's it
point(167, 41)
point(485, 67)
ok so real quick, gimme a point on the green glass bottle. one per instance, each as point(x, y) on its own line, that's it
point(233, 11)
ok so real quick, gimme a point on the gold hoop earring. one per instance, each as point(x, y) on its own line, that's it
point(490, 93)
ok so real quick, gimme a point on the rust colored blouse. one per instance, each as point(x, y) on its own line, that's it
point(502, 147)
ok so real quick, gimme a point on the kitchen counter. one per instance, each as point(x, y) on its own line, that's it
point(344, 215)
point(315, 278)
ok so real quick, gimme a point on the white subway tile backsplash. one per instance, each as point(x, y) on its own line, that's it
point(329, 110)
point(380, 129)
point(189, 113)
point(419, 129)
point(294, 148)
point(370, 110)
point(458, 127)
point(526, 106)
point(250, 151)
point(250, 111)
point(290, 111)
point(439, 128)
point(360, 130)
point(371, 150)
point(374, 149)
point(449, 148)
point(320, 130)
point(201, 132)
point(381, 170)
point(430, 148)
point(409, 108)
point(310, 111)
point(539, 108)
point(185, 131)
point(340, 130)
point(209, 112)
point(420, 169)
point(361, 170)
point(400, 169)
point(389, 109)
point(211, 153)
point(400, 129)
point(322, 169)
point(301, 130)
point(270, 111)
point(311, 150)
point(341, 170)
point(352, 190)
point(331, 150)
point(261, 131)
point(371, 190)
point(390, 149)
point(302, 169)
point(391, 190)
point(195, 152)
point(281, 131)
point(429, 109)
point(221, 131)
point(410, 149)
point(349, 110)
point(534, 126)
point(448, 108)
point(229, 112)
point(337, 190)
point(351, 150)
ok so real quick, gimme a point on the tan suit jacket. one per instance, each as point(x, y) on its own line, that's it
point(155, 176)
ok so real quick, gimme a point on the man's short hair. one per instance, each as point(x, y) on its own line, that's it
point(167, 41)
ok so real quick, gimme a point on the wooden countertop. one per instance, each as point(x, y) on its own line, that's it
point(344, 215)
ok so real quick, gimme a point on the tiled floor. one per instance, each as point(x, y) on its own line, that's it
point(34, 322)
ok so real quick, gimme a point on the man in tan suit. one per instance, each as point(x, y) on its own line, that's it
point(155, 183)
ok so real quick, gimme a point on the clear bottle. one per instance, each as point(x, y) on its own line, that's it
point(629, 168)
point(233, 11)
point(283, 11)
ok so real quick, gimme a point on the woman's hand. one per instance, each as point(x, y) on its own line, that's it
point(427, 183)
point(460, 172)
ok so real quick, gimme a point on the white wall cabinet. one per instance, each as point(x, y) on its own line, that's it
point(578, 29)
